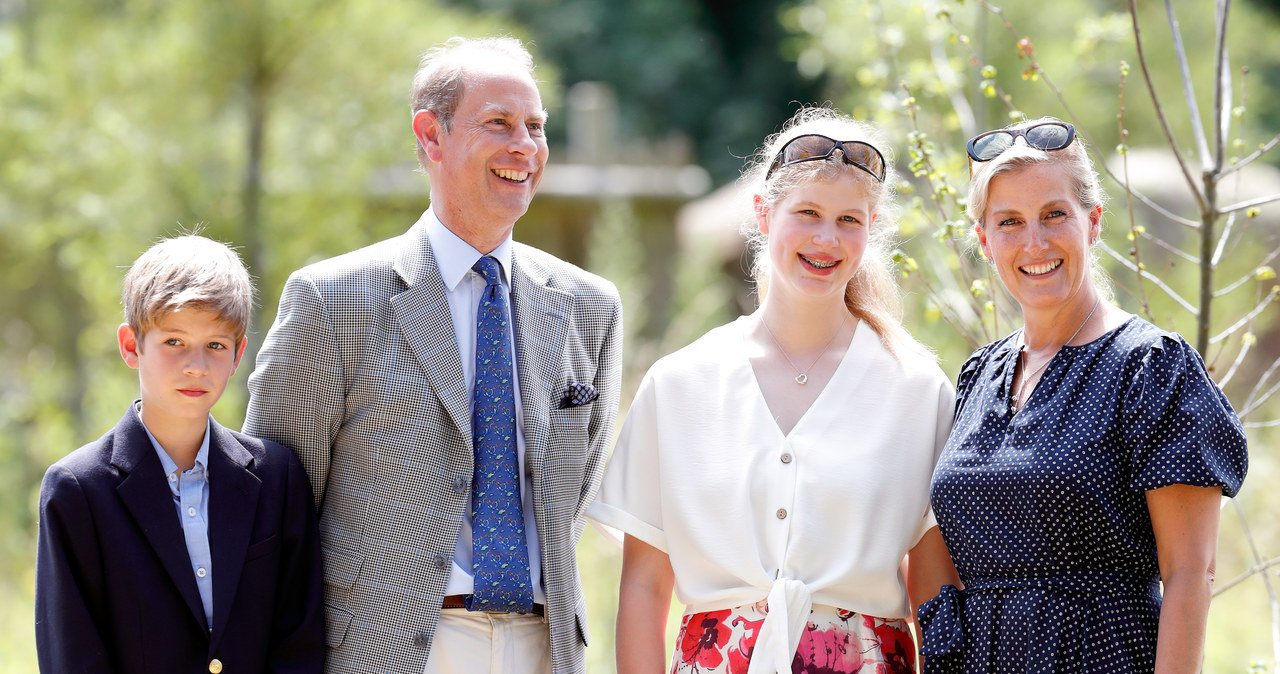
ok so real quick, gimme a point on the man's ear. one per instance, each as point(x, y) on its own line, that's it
point(244, 341)
point(129, 345)
point(428, 129)
point(761, 208)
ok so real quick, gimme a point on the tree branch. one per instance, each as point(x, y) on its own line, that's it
point(1188, 88)
point(1235, 364)
point(1250, 203)
point(1247, 277)
point(1247, 317)
point(1221, 88)
point(1155, 280)
point(1251, 158)
point(1159, 109)
point(1171, 248)
point(1256, 568)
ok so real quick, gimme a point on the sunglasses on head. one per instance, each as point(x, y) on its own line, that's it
point(813, 146)
point(1047, 136)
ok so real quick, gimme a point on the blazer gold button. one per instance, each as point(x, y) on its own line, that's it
point(215, 666)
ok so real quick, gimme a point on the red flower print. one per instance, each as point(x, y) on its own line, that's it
point(705, 634)
point(896, 646)
point(740, 653)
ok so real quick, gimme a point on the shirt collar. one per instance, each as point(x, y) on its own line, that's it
point(455, 257)
point(166, 462)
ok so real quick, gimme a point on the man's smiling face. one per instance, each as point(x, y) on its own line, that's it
point(487, 166)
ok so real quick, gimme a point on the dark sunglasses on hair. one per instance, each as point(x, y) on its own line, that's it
point(1046, 136)
point(813, 146)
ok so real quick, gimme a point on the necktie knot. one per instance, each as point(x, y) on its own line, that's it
point(487, 267)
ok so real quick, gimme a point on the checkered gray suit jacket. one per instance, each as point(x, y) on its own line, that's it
point(360, 375)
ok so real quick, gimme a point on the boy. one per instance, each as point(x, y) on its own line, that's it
point(172, 544)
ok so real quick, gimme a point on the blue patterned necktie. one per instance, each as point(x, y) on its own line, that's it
point(500, 561)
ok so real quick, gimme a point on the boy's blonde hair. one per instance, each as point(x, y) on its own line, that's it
point(188, 271)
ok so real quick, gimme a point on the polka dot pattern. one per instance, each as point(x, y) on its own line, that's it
point(1044, 511)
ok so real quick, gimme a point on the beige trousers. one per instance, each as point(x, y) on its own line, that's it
point(497, 643)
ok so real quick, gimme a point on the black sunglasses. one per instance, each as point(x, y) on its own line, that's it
point(1047, 136)
point(813, 146)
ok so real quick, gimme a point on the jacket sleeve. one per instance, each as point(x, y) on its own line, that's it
point(604, 415)
point(70, 587)
point(297, 630)
point(296, 392)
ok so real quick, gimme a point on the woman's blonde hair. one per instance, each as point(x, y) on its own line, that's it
point(872, 295)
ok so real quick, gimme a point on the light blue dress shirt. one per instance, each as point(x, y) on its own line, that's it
point(190, 489)
point(463, 288)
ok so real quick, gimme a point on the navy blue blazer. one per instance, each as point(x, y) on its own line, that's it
point(114, 586)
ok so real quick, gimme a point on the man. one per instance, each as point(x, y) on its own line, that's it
point(449, 540)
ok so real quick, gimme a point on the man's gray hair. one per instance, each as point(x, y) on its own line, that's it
point(438, 85)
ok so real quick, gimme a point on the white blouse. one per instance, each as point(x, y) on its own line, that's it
point(824, 514)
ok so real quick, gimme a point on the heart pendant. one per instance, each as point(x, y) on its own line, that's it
point(802, 378)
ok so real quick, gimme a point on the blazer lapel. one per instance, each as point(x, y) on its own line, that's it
point(541, 315)
point(145, 493)
point(233, 501)
point(423, 312)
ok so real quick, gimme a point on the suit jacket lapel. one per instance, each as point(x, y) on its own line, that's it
point(423, 312)
point(145, 493)
point(233, 500)
point(541, 316)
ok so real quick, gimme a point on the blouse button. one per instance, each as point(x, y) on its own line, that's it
point(786, 457)
point(782, 513)
point(191, 512)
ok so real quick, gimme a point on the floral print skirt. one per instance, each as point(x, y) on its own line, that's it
point(834, 641)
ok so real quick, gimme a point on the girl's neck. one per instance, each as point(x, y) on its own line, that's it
point(803, 326)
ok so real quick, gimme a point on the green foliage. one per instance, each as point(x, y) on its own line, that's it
point(935, 73)
point(712, 70)
point(127, 121)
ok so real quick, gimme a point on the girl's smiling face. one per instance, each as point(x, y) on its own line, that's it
point(817, 235)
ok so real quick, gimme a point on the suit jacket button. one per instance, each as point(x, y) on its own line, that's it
point(215, 666)
point(440, 562)
point(421, 640)
point(459, 485)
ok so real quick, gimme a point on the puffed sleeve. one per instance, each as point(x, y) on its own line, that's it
point(1179, 426)
point(630, 495)
point(968, 377)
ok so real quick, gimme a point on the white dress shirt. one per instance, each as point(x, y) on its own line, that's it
point(463, 288)
point(190, 490)
point(821, 515)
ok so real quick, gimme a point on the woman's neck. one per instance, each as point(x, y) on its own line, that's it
point(1073, 321)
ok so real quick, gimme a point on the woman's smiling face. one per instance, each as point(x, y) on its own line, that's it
point(817, 235)
point(1037, 234)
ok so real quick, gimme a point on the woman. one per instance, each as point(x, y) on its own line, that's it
point(776, 470)
point(1089, 451)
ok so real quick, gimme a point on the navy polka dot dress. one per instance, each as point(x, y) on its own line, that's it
point(1044, 511)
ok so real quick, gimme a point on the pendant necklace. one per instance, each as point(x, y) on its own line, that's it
point(802, 376)
point(1022, 351)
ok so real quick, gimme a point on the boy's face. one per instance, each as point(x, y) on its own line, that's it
point(183, 364)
